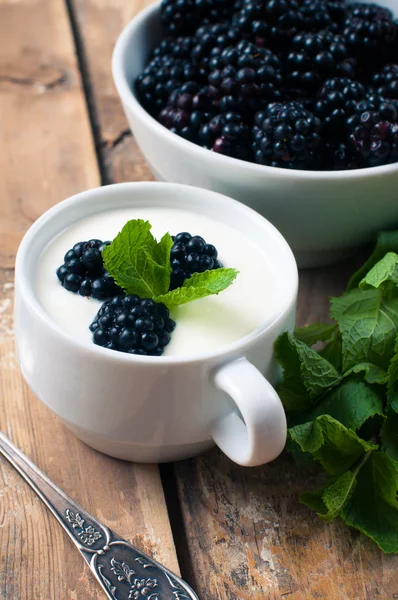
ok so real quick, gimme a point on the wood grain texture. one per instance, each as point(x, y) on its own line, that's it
point(249, 538)
point(99, 22)
point(47, 154)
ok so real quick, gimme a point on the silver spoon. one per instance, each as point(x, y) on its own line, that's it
point(124, 572)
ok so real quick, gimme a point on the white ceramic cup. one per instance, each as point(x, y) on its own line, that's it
point(324, 215)
point(157, 409)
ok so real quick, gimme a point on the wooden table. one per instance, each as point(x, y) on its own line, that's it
point(233, 533)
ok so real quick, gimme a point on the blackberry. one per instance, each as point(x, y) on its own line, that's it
point(372, 131)
point(215, 11)
point(133, 325)
point(227, 134)
point(246, 80)
point(339, 157)
point(191, 254)
point(184, 16)
point(370, 33)
point(180, 47)
point(179, 16)
point(337, 100)
point(286, 135)
point(188, 109)
point(160, 78)
point(385, 82)
point(337, 10)
point(83, 271)
point(226, 62)
point(271, 23)
point(315, 57)
point(210, 40)
point(315, 15)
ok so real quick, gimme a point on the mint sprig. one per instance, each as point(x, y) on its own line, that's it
point(342, 401)
point(140, 265)
point(137, 262)
point(198, 286)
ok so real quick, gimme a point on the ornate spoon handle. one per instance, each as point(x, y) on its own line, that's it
point(124, 572)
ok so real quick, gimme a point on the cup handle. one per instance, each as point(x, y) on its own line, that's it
point(258, 434)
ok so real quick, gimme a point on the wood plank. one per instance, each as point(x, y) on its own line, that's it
point(99, 24)
point(249, 538)
point(47, 154)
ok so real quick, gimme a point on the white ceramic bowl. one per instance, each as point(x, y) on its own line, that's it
point(323, 215)
point(154, 409)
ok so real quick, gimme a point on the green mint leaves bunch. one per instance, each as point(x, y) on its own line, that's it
point(342, 401)
point(140, 265)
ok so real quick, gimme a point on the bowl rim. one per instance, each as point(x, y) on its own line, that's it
point(129, 98)
point(25, 281)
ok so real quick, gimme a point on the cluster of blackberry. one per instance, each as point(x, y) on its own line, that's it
point(190, 254)
point(130, 324)
point(233, 77)
point(83, 271)
point(126, 322)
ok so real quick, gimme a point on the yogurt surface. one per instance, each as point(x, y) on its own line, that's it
point(251, 301)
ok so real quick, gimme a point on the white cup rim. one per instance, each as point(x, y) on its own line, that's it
point(126, 93)
point(26, 283)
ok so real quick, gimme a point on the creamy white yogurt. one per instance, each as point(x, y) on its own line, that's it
point(251, 301)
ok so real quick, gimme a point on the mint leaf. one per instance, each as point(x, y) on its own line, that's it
point(333, 350)
point(385, 272)
point(368, 323)
point(389, 435)
point(313, 500)
point(387, 241)
point(329, 500)
point(393, 380)
point(333, 445)
point(162, 253)
point(302, 459)
point(137, 263)
point(365, 498)
point(330, 418)
point(351, 403)
point(373, 506)
point(306, 374)
point(308, 436)
point(371, 373)
point(198, 286)
point(316, 332)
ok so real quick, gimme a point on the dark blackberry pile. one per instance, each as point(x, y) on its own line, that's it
point(227, 134)
point(271, 23)
point(374, 132)
point(385, 82)
point(189, 107)
point(223, 64)
point(315, 57)
point(370, 33)
point(191, 254)
point(179, 16)
point(340, 156)
point(338, 98)
point(316, 15)
point(130, 324)
point(286, 135)
point(163, 75)
point(215, 11)
point(83, 271)
point(183, 16)
point(246, 78)
point(209, 42)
